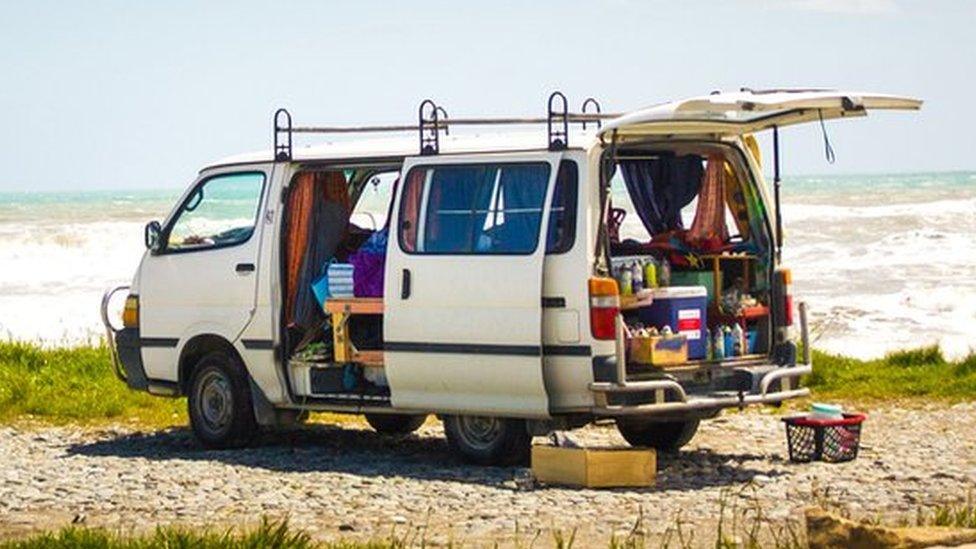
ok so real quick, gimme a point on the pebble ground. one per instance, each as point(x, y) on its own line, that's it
point(344, 481)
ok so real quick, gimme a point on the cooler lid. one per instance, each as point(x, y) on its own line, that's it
point(677, 292)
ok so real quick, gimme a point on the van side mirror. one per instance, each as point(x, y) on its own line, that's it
point(154, 236)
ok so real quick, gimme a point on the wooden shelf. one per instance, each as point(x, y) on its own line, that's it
point(343, 308)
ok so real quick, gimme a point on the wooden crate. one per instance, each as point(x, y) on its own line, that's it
point(594, 467)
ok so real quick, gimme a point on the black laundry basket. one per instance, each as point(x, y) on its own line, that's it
point(830, 440)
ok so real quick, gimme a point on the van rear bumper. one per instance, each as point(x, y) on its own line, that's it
point(774, 384)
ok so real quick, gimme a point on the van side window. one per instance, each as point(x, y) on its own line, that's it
point(473, 209)
point(221, 212)
point(562, 214)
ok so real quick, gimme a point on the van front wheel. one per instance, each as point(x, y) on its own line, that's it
point(489, 440)
point(219, 402)
point(665, 436)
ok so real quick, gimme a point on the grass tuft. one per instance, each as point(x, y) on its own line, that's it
point(74, 384)
point(919, 373)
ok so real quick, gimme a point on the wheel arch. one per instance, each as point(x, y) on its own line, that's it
point(196, 348)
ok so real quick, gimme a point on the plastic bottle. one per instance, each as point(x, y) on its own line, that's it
point(709, 345)
point(650, 273)
point(626, 281)
point(738, 340)
point(637, 273)
point(664, 274)
point(718, 343)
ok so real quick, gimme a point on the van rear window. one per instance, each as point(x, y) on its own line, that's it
point(473, 208)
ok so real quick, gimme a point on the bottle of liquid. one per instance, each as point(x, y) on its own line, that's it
point(626, 281)
point(650, 273)
point(709, 345)
point(664, 274)
point(738, 340)
point(718, 343)
point(637, 273)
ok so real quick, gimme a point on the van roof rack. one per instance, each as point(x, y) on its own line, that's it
point(432, 119)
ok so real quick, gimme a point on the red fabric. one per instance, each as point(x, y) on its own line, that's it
point(299, 217)
point(411, 208)
point(708, 231)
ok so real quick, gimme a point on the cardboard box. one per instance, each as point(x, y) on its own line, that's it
point(594, 467)
point(658, 350)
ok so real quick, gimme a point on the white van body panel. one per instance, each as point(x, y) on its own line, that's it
point(186, 294)
point(474, 321)
point(747, 112)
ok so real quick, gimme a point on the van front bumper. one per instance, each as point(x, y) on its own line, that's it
point(773, 385)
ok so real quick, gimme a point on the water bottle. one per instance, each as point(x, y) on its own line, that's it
point(738, 340)
point(718, 344)
point(709, 345)
point(637, 273)
point(664, 274)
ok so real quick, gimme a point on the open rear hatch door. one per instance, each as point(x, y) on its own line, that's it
point(750, 111)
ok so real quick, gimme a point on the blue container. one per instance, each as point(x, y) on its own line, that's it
point(682, 308)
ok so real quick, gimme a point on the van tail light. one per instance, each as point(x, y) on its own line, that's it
point(604, 307)
point(785, 282)
point(130, 314)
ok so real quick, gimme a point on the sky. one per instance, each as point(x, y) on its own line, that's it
point(104, 95)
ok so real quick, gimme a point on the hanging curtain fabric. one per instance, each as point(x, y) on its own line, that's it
point(524, 192)
point(735, 198)
point(327, 229)
point(300, 200)
point(708, 230)
point(660, 187)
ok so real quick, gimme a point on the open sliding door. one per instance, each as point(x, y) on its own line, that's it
point(463, 290)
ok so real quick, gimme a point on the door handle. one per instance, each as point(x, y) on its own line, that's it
point(242, 268)
point(405, 285)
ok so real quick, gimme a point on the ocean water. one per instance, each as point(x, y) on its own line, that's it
point(884, 261)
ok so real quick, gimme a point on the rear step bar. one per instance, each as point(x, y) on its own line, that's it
point(680, 401)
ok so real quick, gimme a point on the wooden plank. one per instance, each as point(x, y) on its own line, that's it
point(355, 305)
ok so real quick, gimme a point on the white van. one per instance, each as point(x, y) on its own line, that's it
point(501, 291)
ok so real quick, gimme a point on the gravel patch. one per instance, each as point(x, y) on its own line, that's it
point(346, 481)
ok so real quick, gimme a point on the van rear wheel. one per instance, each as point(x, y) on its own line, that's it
point(665, 436)
point(219, 402)
point(489, 440)
point(395, 424)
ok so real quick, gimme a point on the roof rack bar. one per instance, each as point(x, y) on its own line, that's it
point(558, 137)
point(282, 149)
point(596, 104)
point(575, 118)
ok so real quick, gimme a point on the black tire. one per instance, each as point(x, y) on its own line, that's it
point(395, 424)
point(664, 436)
point(489, 440)
point(219, 402)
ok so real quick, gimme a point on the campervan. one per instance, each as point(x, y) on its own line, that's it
point(588, 267)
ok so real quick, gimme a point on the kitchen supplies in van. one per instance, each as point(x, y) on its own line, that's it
point(683, 310)
point(650, 273)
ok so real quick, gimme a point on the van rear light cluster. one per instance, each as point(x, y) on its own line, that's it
point(130, 314)
point(784, 279)
point(604, 307)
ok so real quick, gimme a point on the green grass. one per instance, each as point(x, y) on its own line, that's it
point(77, 385)
point(74, 384)
point(916, 373)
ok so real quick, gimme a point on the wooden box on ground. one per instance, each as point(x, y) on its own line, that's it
point(594, 467)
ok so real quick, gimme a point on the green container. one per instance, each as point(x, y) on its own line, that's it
point(695, 278)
